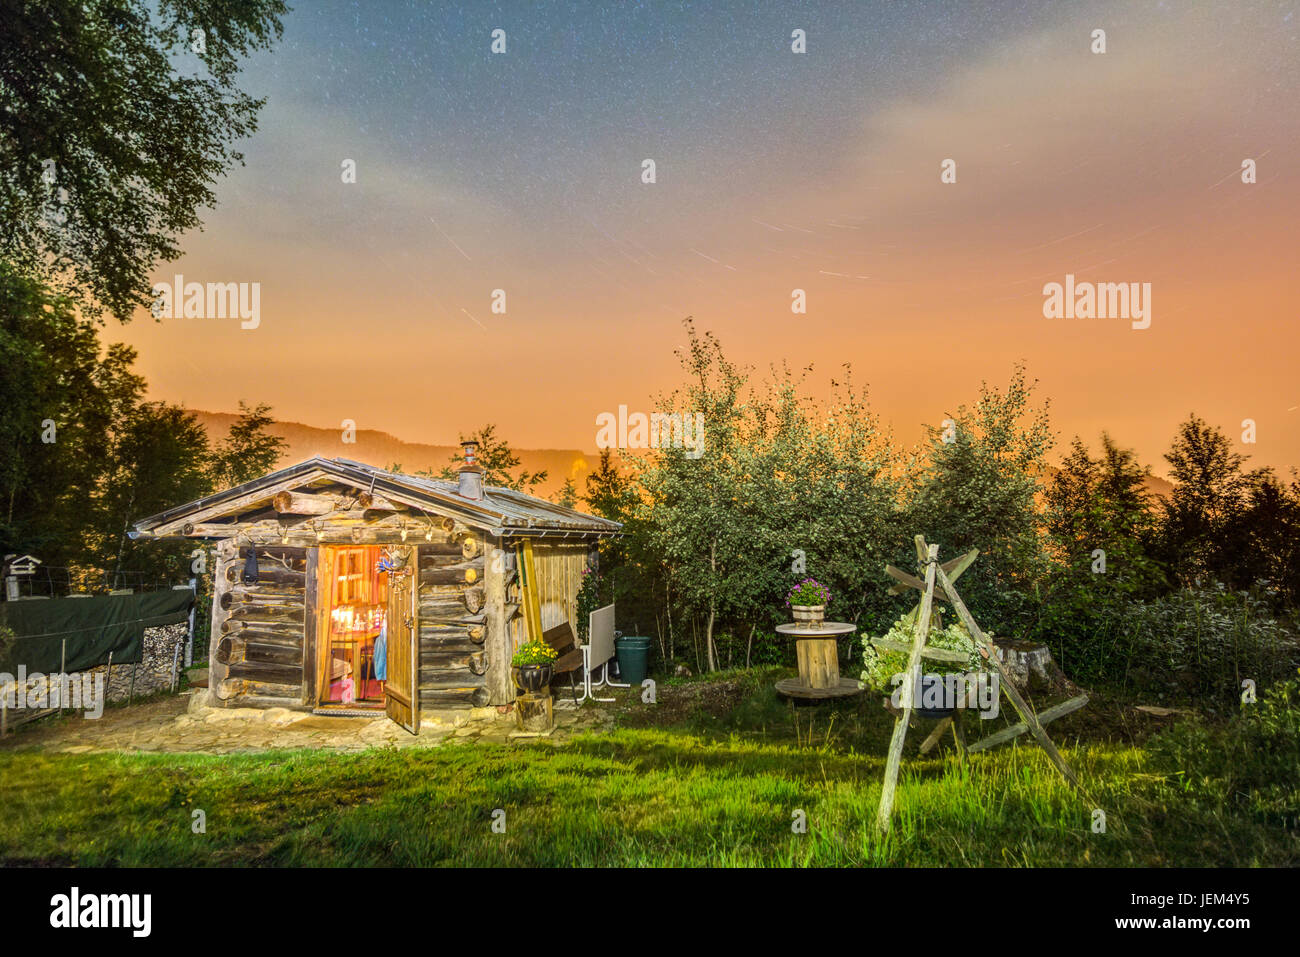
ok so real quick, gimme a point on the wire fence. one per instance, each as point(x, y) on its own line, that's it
point(55, 582)
point(52, 582)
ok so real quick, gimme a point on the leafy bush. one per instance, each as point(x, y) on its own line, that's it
point(1251, 761)
point(772, 649)
point(7, 639)
point(1194, 644)
point(593, 593)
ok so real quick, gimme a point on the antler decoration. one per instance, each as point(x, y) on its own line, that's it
point(395, 562)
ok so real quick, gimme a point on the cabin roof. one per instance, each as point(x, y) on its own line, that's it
point(501, 510)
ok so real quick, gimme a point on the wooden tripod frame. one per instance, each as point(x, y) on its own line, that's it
point(943, 576)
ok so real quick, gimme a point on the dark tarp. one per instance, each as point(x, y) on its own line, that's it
point(91, 627)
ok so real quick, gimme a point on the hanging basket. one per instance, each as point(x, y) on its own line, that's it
point(928, 680)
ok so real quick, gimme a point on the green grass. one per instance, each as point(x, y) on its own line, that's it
point(711, 776)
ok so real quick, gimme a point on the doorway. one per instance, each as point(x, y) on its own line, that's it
point(351, 656)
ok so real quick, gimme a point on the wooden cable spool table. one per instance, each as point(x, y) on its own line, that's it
point(819, 662)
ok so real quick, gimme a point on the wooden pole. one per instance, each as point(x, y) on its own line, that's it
point(528, 585)
point(936, 735)
point(189, 638)
point(176, 659)
point(919, 637)
point(959, 733)
point(1015, 730)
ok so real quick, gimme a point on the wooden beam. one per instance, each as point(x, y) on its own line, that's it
point(953, 568)
point(465, 573)
point(905, 581)
point(372, 502)
point(234, 506)
point(934, 654)
point(1050, 714)
point(316, 614)
point(209, 529)
point(226, 555)
point(920, 635)
point(349, 529)
point(928, 744)
point(528, 581)
point(270, 573)
point(474, 599)
point(305, 503)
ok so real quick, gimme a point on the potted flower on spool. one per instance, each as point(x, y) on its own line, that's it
point(807, 601)
point(532, 666)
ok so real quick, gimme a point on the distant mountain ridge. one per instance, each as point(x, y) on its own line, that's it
point(379, 448)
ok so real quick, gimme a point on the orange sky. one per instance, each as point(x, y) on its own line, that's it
point(1118, 167)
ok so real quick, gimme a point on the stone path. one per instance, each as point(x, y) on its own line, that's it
point(182, 723)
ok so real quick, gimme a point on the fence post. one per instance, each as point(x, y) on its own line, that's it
point(63, 670)
point(189, 641)
point(176, 674)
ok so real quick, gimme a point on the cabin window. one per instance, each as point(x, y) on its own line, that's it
point(357, 594)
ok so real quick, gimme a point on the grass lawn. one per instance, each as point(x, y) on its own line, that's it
point(712, 775)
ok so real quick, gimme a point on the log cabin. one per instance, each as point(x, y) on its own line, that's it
point(343, 588)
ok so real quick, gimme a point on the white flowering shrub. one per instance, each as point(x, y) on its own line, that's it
point(880, 665)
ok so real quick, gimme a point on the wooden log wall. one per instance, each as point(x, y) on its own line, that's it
point(455, 658)
point(469, 622)
point(259, 627)
point(226, 552)
point(498, 613)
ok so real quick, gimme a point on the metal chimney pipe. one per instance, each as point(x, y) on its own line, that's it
point(469, 480)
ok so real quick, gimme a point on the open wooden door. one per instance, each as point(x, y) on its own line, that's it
point(402, 689)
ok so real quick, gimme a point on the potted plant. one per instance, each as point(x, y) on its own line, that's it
point(807, 601)
point(532, 666)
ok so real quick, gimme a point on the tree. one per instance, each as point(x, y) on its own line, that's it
point(249, 449)
point(567, 496)
point(64, 396)
point(630, 570)
point(1200, 528)
point(497, 460)
point(1100, 520)
point(1267, 538)
point(160, 458)
point(824, 480)
point(108, 149)
point(692, 506)
point(82, 456)
point(609, 492)
point(1099, 503)
point(787, 486)
point(978, 490)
